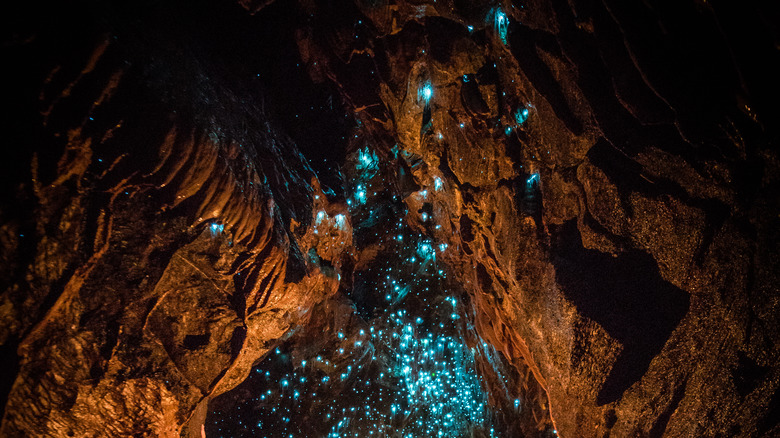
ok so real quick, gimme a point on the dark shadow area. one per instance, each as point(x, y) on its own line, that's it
point(539, 73)
point(748, 374)
point(626, 296)
point(201, 61)
point(442, 35)
point(194, 342)
point(471, 96)
point(659, 427)
point(771, 417)
point(9, 363)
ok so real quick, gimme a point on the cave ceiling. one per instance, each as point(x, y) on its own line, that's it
point(391, 218)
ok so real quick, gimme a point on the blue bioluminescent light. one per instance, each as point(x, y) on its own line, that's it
point(367, 163)
point(425, 250)
point(501, 24)
point(413, 370)
point(360, 195)
point(533, 179)
point(521, 115)
point(216, 228)
point(426, 93)
point(364, 157)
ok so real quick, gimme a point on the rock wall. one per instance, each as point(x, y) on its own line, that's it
point(609, 190)
point(603, 175)
point(152, 246)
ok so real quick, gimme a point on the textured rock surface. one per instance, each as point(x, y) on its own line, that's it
point(159, 256)
point(618, 240)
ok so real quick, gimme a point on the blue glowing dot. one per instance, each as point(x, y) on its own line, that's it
point(425, 249)
point(427, 92)
point(216, 228)
point(341, 221)
point(501, 24)
point(521, 115)
point(533, 179)
point(361, 196)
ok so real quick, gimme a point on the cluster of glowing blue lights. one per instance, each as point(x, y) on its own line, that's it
point(405, 369)
point(500, 24)
point(216, 228)
point(426, 93)
point(521, 115)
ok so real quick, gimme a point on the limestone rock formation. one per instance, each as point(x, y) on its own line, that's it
point(202, 200)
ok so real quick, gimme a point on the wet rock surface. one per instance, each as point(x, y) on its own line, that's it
point(578, 201)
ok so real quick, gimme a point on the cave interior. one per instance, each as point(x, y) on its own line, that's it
point(390, 218)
